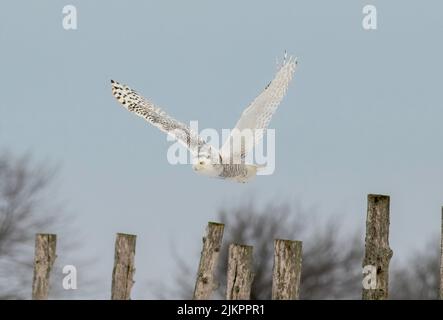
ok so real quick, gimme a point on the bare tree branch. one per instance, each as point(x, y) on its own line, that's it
point(27, 206)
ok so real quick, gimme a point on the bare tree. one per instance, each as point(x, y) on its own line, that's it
point(331, 266)
point(419, 276)
point(27, 207)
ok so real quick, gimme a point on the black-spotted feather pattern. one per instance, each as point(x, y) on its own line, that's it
point(135, 103)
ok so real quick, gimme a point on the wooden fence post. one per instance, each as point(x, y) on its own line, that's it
point(205, 282)
point(44, 257)
point(441, 257)
point(377, 251)
point(240, 273)
point(286, 270)
point(123, 272)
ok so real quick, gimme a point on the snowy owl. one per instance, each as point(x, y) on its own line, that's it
point(228, 162)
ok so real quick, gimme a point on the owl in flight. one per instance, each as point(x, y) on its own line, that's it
point(229, 161)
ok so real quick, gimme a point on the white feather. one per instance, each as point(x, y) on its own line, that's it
point(256, 117)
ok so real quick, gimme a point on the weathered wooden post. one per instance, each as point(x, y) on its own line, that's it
point(44, 257)
point(205, 282)
point(377, 251)
point(441, 257)
point(240, 273)
point(123, 272)
point(286, 270)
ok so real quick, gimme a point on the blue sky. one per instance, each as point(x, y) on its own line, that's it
point(362, 115)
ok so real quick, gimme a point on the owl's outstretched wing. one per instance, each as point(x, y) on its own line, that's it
point(135, 103)
point(254, 120)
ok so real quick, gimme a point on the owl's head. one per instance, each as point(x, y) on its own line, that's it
point(207, 162)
